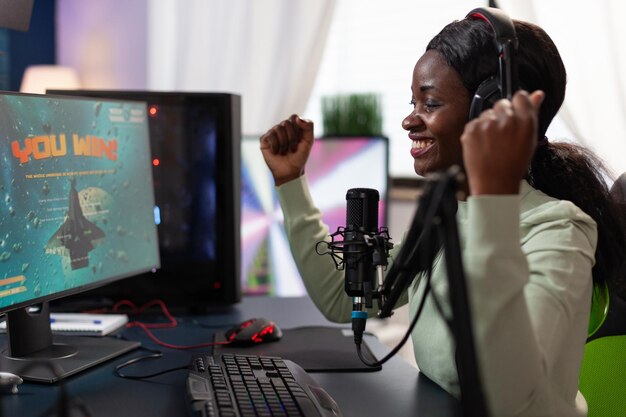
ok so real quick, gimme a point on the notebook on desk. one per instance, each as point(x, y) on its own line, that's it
point(83, 324)
point(314, 348)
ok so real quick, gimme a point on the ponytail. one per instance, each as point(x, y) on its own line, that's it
point(571, 172)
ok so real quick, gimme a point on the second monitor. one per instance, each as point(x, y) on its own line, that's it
point(335, 165)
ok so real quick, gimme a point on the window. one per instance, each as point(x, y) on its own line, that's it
point(372, 48)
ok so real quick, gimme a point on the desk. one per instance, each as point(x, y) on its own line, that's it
point(397, 390)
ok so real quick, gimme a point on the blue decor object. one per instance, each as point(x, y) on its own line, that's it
point(4, 59)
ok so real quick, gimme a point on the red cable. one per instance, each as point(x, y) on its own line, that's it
point(138, 310)
point(167, 345)
point(147, 326)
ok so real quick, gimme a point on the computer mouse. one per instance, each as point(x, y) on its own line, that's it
point(253, 332)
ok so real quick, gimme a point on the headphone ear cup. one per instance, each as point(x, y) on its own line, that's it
point(487, 93)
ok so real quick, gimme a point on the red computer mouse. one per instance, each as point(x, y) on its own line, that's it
point(253, 332)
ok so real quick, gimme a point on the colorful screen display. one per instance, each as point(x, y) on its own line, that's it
point(335, 166)
point(77, 200)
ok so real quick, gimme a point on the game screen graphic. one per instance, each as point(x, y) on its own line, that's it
point(334, 166)
point(77, 203)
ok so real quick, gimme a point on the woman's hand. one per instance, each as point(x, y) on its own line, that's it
point(499, 144)
point(286, 148)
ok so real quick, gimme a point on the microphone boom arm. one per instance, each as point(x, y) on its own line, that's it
point(434, 227)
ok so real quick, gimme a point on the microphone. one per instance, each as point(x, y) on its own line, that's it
point(361, 221)
point(360, 271)
point(364, 250)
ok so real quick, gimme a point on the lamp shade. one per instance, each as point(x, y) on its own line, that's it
point(38, 78)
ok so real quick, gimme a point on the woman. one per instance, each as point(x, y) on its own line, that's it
point(535, 229)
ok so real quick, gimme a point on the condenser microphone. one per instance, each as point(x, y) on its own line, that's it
point(360, 272)
point(361, 221)
point(361, 253)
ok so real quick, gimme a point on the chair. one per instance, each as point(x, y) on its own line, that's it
point(602, 378)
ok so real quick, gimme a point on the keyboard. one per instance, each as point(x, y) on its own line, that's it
point(249, 385)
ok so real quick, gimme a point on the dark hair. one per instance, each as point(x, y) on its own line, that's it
point(562, 170)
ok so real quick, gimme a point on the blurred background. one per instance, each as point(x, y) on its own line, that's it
point(291, 56)
point(284, 56)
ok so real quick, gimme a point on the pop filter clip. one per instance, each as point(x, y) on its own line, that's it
point(375, 245)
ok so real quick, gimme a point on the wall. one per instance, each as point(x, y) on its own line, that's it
point(105, 41)
point(35, 46)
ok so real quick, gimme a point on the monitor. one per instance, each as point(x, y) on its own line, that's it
point(77, 212)
point(335, 165)
point(195, 140)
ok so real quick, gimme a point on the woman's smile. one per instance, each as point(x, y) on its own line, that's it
point(420, 146)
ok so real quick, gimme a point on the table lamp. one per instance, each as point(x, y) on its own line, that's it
point(38, 78)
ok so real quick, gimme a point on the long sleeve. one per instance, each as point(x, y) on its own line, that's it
point(530, 289)
point(304, 228)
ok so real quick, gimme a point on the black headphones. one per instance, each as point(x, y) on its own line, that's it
point(505, 83)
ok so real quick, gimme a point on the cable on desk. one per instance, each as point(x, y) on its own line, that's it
point(117, 308)
point(397, 348)
point(146, 327)
point(154, 355)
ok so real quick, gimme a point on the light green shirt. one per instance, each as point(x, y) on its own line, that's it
point(528, 261)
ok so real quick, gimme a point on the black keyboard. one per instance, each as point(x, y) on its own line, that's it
point(248, 385)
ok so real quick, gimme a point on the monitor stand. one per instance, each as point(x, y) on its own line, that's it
point(35, 354)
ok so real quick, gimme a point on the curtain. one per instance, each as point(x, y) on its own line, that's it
point(268, 51)
point(591, 38)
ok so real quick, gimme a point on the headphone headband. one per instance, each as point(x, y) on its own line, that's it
point(502, 25)
point(506, 43)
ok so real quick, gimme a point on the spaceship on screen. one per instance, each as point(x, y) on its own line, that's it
point(77, 236)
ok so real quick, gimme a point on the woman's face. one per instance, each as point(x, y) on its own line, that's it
point(440, 110)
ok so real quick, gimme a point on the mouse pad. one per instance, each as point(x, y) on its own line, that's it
point(314, 348)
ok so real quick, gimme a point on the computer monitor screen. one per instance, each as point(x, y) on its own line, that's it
point(335, 165)
point(195, 141)
point(77, 208)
